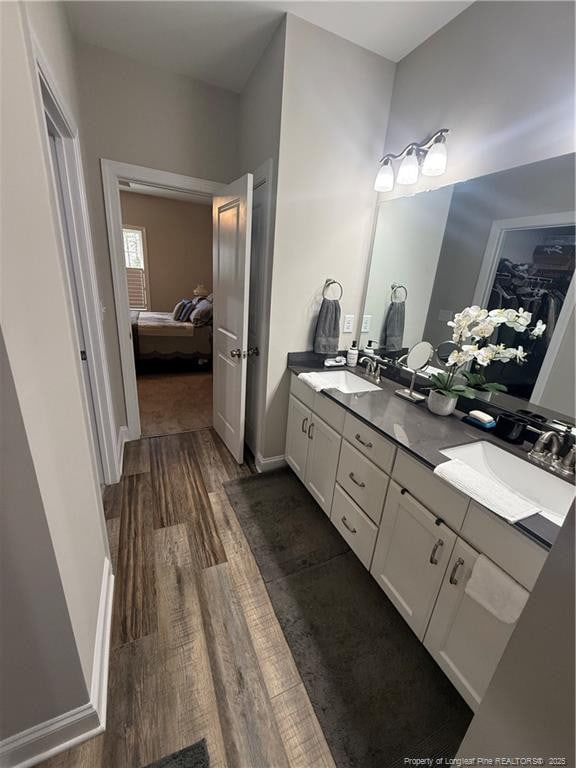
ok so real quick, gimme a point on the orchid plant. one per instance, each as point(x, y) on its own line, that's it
point(472, 329)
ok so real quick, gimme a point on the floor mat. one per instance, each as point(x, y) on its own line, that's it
point(195, 756)
point(377, 693)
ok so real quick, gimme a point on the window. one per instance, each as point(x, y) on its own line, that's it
point(135, 260)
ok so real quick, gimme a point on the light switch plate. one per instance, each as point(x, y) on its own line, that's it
point(348, 324)
point(366, 322)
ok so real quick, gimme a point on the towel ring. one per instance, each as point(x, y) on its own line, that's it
point(398, 287)
point(327, 285)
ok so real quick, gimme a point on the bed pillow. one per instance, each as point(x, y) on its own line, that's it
point(202, 314)
point(187, 310)
point(178, 308)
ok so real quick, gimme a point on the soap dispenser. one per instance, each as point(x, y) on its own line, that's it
point(352, 355)
point(369, 349)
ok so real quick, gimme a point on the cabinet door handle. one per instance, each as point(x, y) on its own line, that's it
point(311, 431)
point(346, 525)
point(457, 564)
point(435, 548)
point(366, 445)
point(305, 424)
point(356, 482)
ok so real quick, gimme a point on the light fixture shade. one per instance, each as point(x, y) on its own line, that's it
point(408, 171)
point(436, 160)
point(385, 179)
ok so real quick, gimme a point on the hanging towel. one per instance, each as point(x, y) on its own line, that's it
point(327, 334)
point(486, 491)
point(496, 591)
point(392, 337)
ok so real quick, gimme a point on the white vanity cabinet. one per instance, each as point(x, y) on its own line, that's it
point(297, 441)
point(322, 462)
point(313, 450)
point(465, 639)
point(412, 552)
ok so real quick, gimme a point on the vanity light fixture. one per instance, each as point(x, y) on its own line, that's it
point(431, 154)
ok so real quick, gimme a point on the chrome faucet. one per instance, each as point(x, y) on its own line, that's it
point(550, 456)
point(374, 366)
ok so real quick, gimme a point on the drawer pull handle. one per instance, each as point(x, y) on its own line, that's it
point(366, 445)
point(435, 548)
point(356, 482)
point(457, 564)
point(311, 431)
point(305, 424)
point(346, 525)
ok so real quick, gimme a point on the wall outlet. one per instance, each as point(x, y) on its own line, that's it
point(366, 323)
point(348, 324)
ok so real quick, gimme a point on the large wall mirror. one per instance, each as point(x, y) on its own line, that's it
point(506, 240)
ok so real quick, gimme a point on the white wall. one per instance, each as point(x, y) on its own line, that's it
point(501, 77)
point(141, 115)
point(407, 242)
point(41, 344)
point(40, 671)
point(334, 115)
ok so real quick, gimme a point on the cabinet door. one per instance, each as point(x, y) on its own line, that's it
point(323, 455)
point(464, 638)
point(297, 436)
point(411, 555)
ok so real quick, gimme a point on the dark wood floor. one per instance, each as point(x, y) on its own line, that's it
point(197, 651)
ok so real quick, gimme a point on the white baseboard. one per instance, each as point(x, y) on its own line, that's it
point(65, 731)
point(120, 443)
point(266, 465)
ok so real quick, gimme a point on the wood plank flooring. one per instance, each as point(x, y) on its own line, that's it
point(197, 651)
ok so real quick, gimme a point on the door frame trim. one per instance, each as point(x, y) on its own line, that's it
point(54, 105)
point(113, 172)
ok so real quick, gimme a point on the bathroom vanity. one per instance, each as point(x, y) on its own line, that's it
point(367, 458)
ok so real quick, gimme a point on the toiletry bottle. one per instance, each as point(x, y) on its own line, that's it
point(368, 349)
point(352, 355)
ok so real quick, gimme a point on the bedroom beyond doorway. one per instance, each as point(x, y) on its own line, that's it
point(168, 257)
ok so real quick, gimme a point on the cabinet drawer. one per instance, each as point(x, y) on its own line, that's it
point(363, 481)
point(439, 497)
point(369, 442)
point(329, 412)
point(354, 526)
point(510, 549)
point(302, 391)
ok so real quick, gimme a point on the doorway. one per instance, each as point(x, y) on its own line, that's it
point(232, 352)
point(167, 238)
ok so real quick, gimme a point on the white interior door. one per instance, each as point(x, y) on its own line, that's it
point(258, 310)
point(232, 222)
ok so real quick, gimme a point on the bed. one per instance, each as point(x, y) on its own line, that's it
point(161, 343)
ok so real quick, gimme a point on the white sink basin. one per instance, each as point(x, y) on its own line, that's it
point(344, 381)
point(551, 494)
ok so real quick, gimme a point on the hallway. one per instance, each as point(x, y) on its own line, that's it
point(197, 651)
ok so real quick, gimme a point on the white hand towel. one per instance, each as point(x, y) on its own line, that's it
point(496, 591)
point(317, 381)
point(486, 491)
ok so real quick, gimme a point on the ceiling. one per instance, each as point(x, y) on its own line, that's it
point(220, 42)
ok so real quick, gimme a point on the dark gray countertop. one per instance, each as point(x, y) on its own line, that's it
point(422, 434)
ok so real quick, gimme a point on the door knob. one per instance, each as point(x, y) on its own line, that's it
point(235, 353)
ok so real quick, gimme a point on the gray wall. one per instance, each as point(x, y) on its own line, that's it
point(501, 77)
point(528, 709)
point(334, 116)
point(145, 116)
point(40, 671)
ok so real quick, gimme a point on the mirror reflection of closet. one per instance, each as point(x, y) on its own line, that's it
point(502, 240)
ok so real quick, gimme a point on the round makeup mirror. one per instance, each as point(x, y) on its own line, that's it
point(417, 358)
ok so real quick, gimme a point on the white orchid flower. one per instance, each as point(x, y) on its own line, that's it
point(484, 329)
point(538, 329)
